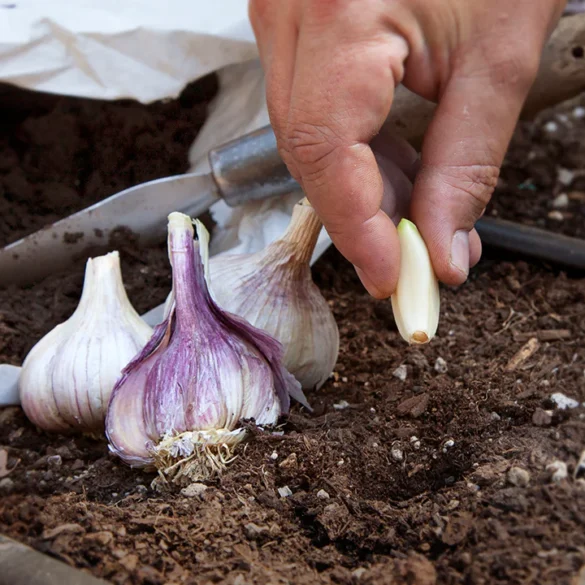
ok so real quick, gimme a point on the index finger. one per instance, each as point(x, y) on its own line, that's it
point(341, 94)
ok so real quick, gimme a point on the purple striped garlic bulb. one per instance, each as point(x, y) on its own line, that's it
point(273, 290)
point(179, 403)
point(68, 376)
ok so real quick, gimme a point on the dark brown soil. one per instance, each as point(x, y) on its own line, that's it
point(393, 481)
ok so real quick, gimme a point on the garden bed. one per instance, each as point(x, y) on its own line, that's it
point(418, 466)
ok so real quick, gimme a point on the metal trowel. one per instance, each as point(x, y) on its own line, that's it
point(245, 169)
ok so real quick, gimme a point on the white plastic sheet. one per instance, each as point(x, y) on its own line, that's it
point(108, 49)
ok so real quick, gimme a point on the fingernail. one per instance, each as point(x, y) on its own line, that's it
point(460, 251)
point(369, 285)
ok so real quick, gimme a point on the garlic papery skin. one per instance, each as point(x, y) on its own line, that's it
point(273, 290)
point(416, 300)
point(179, 403)
point(68, 376)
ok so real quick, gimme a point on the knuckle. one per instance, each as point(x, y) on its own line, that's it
point(476, 182)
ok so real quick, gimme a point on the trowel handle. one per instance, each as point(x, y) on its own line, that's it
point(250, 168)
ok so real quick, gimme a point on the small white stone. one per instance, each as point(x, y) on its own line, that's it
point(448, 444)
point(55, 461)
point(563, 402)
point(440, 366)
point(322, 495)
point(359, 573)
point(413, 439)
point(495, 416)
point(375, 445)
point(285, 492)
point(193, 490)
point(341, 405)
point(6, 484)
point(274, 456)
point(551, 126)
point(397, 454)
point(400, 372)
point(561, 201)
point(558, 469)
point(373, 410)
point(565, 176)
point(579, 112)
point(344, 379)
point(340, 463)
point(555, 215)
point(518, 476)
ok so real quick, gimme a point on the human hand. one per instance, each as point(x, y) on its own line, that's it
point(331, 70)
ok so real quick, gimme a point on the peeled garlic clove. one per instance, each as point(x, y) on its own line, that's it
point(68, 376)
point(416, 301)
point(179, 403)
point(273, 290)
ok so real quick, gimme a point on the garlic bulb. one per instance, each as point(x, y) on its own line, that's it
point(416, 301)
point(274, 291)
point(178, 404)
point(68, 376)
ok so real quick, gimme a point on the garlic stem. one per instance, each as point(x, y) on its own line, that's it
point(184, 271)
point(302, 232)
point(103, 286)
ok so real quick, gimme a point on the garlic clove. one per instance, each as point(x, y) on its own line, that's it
point(416, 300)
point(273, 290)
point(203, 371)
point(68, 376)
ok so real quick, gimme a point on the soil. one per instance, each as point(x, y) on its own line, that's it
point(445, 464)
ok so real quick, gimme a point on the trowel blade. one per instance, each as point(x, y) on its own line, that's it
point(142, 209)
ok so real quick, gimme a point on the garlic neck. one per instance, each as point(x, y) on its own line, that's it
point(189, 285)
point(103, 287)
point(302, 233)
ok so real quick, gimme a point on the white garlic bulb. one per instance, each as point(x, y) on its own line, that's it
point(416, 300)
point(274, 291)
point(68, 376)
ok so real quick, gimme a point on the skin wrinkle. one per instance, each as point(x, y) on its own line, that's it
point(484, 177)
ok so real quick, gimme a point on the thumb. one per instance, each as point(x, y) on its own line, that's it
point(461, 157)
